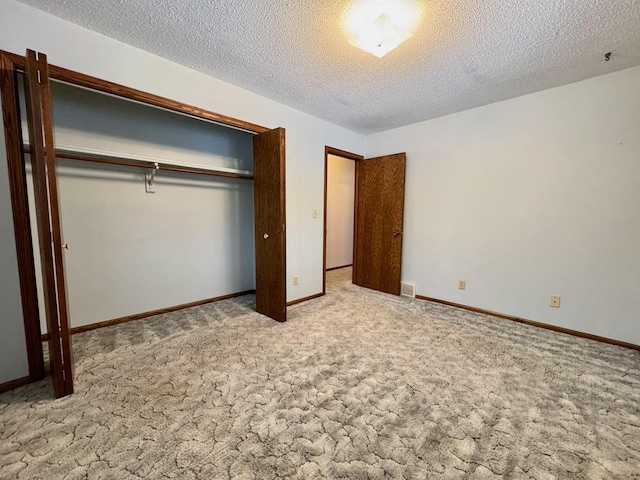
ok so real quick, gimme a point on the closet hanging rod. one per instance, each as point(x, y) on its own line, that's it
point(111, 159)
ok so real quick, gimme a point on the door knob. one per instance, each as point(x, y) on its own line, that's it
point(396, 233)
point(266, 235)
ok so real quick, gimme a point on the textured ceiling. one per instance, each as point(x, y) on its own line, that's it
point(466, 53)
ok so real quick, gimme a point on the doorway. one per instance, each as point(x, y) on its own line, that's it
point(339, 210)
point(341, 188)
point(376, 203)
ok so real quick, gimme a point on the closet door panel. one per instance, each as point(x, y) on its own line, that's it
point(270, 232)
point(42, 147)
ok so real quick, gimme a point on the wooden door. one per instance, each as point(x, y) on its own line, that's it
point(47, 206)
point(270, 233)
point(379, 216)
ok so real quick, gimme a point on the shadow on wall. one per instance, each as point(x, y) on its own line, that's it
point(93, 120)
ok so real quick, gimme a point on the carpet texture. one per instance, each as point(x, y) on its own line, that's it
point(357, 384)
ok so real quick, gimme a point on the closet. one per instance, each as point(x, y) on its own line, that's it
point(134, 204)
point(133, 246)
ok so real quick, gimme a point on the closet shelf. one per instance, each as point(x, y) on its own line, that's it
point(136, 161)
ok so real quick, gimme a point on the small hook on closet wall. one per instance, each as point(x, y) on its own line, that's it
point(150, 178)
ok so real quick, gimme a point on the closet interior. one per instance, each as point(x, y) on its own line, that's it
point(139, 239)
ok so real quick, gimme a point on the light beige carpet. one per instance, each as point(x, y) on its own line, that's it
point(356, 384)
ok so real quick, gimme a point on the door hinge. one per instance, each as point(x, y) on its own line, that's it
point(39, 76)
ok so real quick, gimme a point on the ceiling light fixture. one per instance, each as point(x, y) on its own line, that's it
point(379, 26)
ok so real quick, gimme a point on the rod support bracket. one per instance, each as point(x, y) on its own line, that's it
point(150, 178)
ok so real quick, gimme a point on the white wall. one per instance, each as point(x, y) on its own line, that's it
point(527, 198)
point(13, 350)
point(131, 251)
point(341, 177)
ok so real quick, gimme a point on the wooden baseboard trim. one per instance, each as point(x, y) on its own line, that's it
point(533, 323)
point(138, 316)
point(305, 299)
point(338, 268)
point(18, 382)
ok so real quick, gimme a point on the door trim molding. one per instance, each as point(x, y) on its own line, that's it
point(533, 323)
point(21, 222)
point(351, 156)
point(305, 299)
point(338, 268)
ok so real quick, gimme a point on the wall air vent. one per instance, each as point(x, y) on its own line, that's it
point(408, 289)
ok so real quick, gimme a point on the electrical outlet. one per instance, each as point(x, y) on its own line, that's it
point(554, 302)
point(462, 284)
point(295, 280)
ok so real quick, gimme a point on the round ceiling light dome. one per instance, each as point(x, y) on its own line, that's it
point(379, 26)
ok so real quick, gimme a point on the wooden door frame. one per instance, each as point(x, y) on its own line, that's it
point(11, 64)
point(20, 211)
point(356, 158)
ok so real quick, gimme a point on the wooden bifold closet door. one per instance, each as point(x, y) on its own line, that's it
point(43, 161)
point(270, 234)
